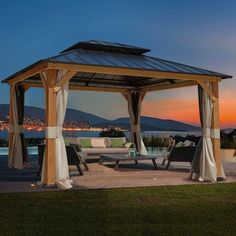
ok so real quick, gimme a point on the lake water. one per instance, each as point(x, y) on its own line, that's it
point(33, 134)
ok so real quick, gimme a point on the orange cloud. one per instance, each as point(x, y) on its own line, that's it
point(228, 112)
point(177, 109)
point(187, 110)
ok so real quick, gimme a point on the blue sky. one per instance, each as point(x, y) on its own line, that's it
point(200, 33)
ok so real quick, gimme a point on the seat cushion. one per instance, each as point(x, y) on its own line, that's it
point(99, 151)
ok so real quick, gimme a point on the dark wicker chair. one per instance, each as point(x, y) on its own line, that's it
point(180, 154)
point(73, 157)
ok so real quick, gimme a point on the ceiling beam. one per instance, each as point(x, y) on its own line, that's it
point(131, 72)
point(78, 87)
point(168, 86)
point(98, 89)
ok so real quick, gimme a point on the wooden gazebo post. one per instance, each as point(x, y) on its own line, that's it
point(215, 126)
point(11, 123)
point(51, 119)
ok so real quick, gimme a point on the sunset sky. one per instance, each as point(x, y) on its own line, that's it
point(198, 33)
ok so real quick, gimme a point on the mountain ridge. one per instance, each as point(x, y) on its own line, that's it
point(147, 123)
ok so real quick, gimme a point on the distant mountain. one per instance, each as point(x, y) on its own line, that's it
point(30, 112)
point(147, 123)
point(151, 123)
point(39, 113)
point(72, 114)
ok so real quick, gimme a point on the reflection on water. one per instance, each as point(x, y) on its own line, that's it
point(31, 150)
point(156, 150)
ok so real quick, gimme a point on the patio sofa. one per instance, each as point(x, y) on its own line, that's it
point(94, 146)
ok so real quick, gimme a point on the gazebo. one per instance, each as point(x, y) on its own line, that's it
point(110, 67)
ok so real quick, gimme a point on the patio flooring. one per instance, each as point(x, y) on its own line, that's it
point(104, 176)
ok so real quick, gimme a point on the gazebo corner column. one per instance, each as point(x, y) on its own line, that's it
point(11, 124)
point(49, 175)
point(215, 131)
point(134, 99)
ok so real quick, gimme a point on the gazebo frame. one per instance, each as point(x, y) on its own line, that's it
point(51, 86)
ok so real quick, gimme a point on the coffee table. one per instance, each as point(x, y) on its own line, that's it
point(124, 157)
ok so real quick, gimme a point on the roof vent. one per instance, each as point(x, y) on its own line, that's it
point(107, 47)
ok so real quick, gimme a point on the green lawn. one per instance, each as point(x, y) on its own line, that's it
point(178, 210)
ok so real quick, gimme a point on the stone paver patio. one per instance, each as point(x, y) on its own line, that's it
point(104, 176)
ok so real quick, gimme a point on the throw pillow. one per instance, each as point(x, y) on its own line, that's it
point(109, 143)
point(98, 142)
point(67, 143)
point(187, 143)
point(128, 145)
point(85, 143)
point(117, 143)
point(179, 144)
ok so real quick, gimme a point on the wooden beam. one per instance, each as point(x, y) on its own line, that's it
point(26, 87)
point(215, 125)
point(43, 80)
point(65, 79)
point(32, 85)
point(120, 90)
point(28, 73)
point(98, 89)
point(78, 87)
point(131, 72)
point(51, 121)
point(206, 88)
point(168, 86)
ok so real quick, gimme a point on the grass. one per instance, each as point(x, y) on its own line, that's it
point(174, 210)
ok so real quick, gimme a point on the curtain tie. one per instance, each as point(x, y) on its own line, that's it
point(136, 128)
point(211, 133)
point(17, 129)
point(53, 132)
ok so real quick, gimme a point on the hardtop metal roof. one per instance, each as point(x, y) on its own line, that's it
point(143, 62)
point(101, 53)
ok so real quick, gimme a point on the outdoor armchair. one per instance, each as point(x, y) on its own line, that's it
point(179, 154)
point(74, 157)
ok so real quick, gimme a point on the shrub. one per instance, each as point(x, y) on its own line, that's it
point(228, 140)
point(3, 143)
point(112, 133)
point(156, 141)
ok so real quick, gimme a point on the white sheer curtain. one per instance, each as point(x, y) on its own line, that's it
point(203, 165)
point(134, 99)
point(62, 168)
